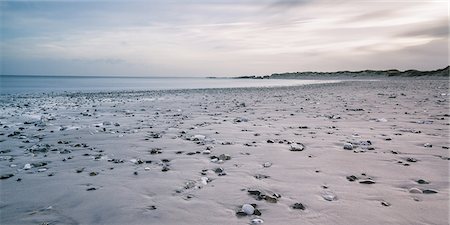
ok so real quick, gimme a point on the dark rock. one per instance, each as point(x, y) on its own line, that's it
point(429, 191)
point(384, 203)
point(298, 206)
point(6, 176)
point(421, 181)
point(367, 182)
point(352, 178)
point(93, 174)
point(270, 199)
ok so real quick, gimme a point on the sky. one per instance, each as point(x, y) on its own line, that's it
point(220, 37)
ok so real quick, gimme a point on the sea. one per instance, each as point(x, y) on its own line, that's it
point(17, 84)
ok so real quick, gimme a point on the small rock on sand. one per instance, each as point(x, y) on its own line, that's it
point(257, 221)
point(429, 191)
point(298, 206)
point(6, 176)
point(415, 191)
point(329, 196)
point(348, 146)
point(297, 147)
point(248, 209)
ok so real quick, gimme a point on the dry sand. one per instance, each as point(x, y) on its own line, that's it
point(140, 158)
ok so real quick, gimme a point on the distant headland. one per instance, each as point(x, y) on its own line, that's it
point(444, 72)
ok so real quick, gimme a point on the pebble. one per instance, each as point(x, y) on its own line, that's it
point(297, 147)
point(298, 206)
point(248, 209)
point(257, 221)
point(93, 174)
point(427, 145)
point(27, 166)
point(384, 203)
point(6, 176)
point(421, 181)
point(367, 182)
point(348, 146)
point(267, 164)
point(329, 196)
point(429, 191)
point(415, 191)
point(352, 178)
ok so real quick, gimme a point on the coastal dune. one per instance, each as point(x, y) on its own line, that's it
point(351, 152)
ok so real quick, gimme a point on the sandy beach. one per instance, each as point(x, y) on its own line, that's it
point(353, 152)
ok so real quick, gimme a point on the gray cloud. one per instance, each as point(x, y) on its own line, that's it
point(436, 29)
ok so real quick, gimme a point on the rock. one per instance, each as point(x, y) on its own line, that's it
point(348, 146)
point(224, 157)
point(198, 137)
point(270, 141)
point(205, 180)
point(240, 119)
point(254, 192)
point(261, 176)
point(6, 176)
point(248, 209)
point(27, 166)
point(39, 164)
point(427, 145)
point(415, 191)
point(329, 196)
point(93, 174)
point(411, 159)
point(429, 191)
point(42, 170)
point(367, 182)
point(257, 212)
point(297, 147)
point(91, 189)
point(352, 178)
point(107, 123)
point(155, 151)
point(147, 168)
point(420, 181)
point(267, 164)
point(206, 152)
point(152, 207)
point(270, 199)
point(256, 221)
point(384, 203)
point(298, 206)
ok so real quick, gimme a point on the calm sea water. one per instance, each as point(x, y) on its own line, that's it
point(41, 84)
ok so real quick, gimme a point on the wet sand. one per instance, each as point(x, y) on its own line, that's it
point(354, 152)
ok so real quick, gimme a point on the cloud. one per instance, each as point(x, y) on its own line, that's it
point(220, 37)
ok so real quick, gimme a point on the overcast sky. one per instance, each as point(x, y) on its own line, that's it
point(220, 38)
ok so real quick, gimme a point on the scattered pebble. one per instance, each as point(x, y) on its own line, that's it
point(348, 146)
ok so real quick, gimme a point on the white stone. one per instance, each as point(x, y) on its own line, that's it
point(27, 166)
point(297, 147)
point(415, 191)
point(248, 209)
point(257, 221)
point(329, 196)
point(204, 180)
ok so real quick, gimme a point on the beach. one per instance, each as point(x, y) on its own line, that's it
point(350, 152)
